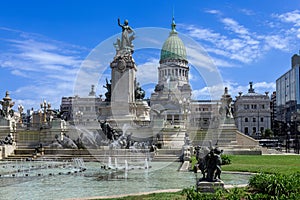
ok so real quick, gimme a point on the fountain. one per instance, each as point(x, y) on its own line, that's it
point(109, 162)
point(116, 163)
point(32, 169)
point(52, 174)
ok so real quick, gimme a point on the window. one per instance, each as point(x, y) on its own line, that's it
point(205, 121)
point(262, 129)
point(254, 119)
point(176, 117)
point(253, 130)
point(262, 119)
point(254, 106)
point(246, 119)
point(246, 107)
point(246, 131)
point(263, 106)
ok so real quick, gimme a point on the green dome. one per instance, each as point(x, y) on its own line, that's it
point(173, 47)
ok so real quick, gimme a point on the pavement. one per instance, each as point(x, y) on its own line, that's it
point(126, 195)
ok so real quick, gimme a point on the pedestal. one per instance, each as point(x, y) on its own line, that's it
point(205, 186)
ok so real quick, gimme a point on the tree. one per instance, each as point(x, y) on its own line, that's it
point(268, 133)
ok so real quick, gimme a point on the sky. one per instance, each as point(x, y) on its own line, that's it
point(44, 44)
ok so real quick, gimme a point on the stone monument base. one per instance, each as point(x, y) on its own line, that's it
point(205, 186)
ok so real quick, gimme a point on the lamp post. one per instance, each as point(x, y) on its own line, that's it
point(79, 115)
point(258, 129)
point(294, 119)
point(20, 109)
point(297, 140)
point(185, 103)
point(45, 106)
point(287, 145)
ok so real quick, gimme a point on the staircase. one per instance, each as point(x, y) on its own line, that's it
point(167, 155)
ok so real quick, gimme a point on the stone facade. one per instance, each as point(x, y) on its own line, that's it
point(204, 114)
point(172, 95)
point(252, 112)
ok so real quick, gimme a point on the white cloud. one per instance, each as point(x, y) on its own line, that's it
point(290, 17)
point(147, 72)
point(48, 67)
point(209, 92)
point(247, 12)
point(19, 73)
point(238, 44)
point(234, 26)
point(233, 89)
point(215, 12)
point(276, 42)
point(199, 58)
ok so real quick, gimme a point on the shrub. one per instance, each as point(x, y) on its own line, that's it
point(235, 194)
point(192, 194)
point(276, 186)
point(226, 160)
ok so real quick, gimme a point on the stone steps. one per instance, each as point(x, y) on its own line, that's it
point(68, 154)
point(166, 158)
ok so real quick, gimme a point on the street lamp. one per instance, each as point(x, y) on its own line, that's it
point(20, 109)
point(287, 145)
point(185, 103)
point(45, 107)
point(294, 119)
point(79, 115)
point(297, 140)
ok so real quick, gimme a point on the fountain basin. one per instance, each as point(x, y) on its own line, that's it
point(100, 182)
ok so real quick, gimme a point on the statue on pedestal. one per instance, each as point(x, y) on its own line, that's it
point(210, 165)
point(226, 108)
point(127, 36)
point(7, 105)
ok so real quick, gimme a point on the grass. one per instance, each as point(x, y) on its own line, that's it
point(155, 196)
point(284, 164)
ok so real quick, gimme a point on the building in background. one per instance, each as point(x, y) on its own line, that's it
point(252, 112)
point(288, 92)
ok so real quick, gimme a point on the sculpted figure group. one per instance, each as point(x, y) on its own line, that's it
point(209, 164)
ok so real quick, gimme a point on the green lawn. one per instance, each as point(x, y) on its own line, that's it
point(284, 164)
point(155, 196)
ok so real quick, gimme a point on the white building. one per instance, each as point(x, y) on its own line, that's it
point(252, 112)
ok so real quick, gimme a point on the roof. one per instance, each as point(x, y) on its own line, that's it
point(173, 48)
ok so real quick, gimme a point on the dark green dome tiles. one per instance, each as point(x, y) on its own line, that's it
point(173, 48)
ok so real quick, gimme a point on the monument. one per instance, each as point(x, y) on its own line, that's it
point(171, 99)
point(126, 99)
point(209, 163)
point(8, 122)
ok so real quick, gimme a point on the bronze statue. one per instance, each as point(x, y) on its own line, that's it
point(126, 40)
point(139, 92)
point(108, 93)
point(226, 109)
point(7, 105)
point(210, 165)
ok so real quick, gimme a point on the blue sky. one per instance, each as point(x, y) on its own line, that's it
point(43, 43)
